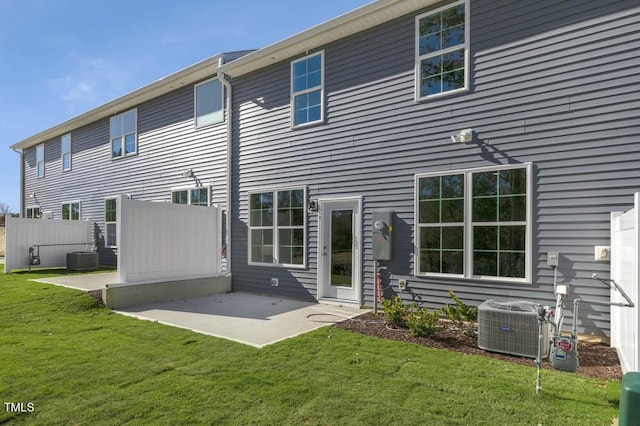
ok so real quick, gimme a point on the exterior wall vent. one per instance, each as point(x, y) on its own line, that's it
point(510, 327)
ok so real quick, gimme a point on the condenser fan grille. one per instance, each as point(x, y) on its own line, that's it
point(510, 327)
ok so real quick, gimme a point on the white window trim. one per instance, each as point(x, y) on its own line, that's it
point(63, 153)
point(38, 162)
point(468, 225)
point(78, 202)
point(26, 212)
point(109, 222)
point(275, 228)
point(188, 189)
point(467, 55)
point(123, 155)
point(195, 105)
point(302, 92)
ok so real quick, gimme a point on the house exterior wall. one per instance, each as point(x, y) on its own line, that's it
point(168, 144)
point(553, 84)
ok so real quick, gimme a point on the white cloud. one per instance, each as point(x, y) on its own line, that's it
point(90, 82)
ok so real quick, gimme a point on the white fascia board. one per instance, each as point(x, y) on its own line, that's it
point(363, 18)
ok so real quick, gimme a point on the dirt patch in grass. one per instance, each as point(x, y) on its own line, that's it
point(597, 360)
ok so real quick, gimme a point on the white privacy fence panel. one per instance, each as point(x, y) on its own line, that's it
point(162, 241)
point(53, 239)
point(625, 258)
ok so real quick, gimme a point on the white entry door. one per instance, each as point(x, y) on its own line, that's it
point(339, 251)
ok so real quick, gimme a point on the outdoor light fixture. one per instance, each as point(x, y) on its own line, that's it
point(187, 173)
point(313, 206)
point(464, 136)
point(32, 195)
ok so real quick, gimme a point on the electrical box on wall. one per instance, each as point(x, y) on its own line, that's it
point(382, 231)
point(602, 253)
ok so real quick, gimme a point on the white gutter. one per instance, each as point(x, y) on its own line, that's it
point(229, 106)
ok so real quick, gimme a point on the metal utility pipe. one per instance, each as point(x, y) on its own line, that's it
point(608, 283)
point(375, 286)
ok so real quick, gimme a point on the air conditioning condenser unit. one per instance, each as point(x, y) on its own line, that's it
point(511, 327)
point(82, 261)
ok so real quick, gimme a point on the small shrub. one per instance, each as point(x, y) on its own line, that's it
point(395, 311)
point(422, 323)
point(460, 313)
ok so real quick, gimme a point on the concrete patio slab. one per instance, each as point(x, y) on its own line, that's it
point(86, 282)
point(251, 319)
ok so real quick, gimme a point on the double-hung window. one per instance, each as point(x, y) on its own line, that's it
point(71, 211)
point(442, 50)
point(65, 145)
point(277, 231)
point(110, 219)
point(209, 102)
point(475, 223)
point(40, 160)
point(33, 212)
point(123, 130)
point(307, 90)
point(198, 196)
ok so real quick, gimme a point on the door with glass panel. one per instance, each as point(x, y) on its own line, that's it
point(339, 251)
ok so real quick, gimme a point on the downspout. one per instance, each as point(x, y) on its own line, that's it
point(227, 85)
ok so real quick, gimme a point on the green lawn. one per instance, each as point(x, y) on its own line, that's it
point(79, 363)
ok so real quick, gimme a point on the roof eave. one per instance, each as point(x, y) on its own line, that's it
point(159, 87)
point(358, 20)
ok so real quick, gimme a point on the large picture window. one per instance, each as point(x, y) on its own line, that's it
point(209, 102)
point(123, 130)
point(474, 223)
point(277, 231)
point(442, 50)
point(307, 90)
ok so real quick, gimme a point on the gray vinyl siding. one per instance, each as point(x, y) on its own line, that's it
point(168, 144)
point(554, 84)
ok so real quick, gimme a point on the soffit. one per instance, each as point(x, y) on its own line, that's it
point(363, 18)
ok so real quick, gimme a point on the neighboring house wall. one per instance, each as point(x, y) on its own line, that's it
point(168, 145)
point(554, 84)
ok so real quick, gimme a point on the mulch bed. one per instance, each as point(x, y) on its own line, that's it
point(597, 360)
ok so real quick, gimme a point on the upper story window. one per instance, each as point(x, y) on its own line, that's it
point(65, 143)
point(307, 89)
point(71, 211)
point(442, 50)
point(40, 160)
point(209, 102)
point(194, 196)
point(475, 223)
point(124, 140)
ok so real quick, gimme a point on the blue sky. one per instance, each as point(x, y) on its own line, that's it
point(60, 58)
